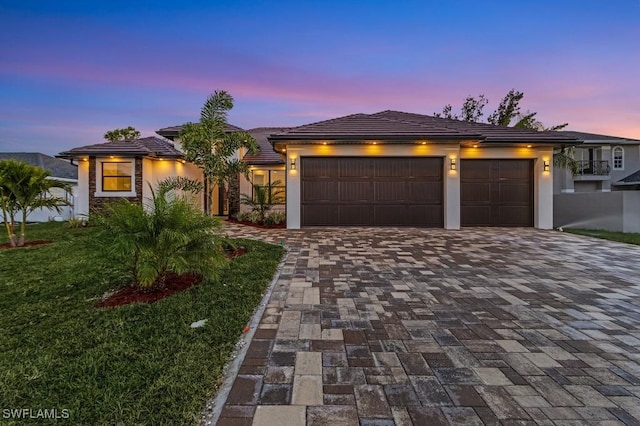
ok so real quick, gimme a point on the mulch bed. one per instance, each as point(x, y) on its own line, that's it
point(174, 283)
point(26, 244)
point(257, 225)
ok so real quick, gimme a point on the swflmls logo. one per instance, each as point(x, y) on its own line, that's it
point(28, 413)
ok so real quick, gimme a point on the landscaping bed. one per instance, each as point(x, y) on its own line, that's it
point(135, 364)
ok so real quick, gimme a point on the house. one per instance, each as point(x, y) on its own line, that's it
point(114, 170)
point(60, 170)
point(401, 169)
point(605, 163)
point(385, 169)
point(604, 193)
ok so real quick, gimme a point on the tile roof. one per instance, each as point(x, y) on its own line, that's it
point(57, 167)
point(600, 139)
point(266, 155)
point(396, 125)
point(173, 131)
point(151, 146)
point(632, 179)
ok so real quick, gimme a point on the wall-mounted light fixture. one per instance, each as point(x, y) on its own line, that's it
point(293, 164)
point(452, 164)
point(546, 165)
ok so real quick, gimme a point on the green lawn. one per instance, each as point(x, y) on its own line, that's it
point(137, 364)
point(629, 238)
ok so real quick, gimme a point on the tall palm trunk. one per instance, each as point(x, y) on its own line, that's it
point(22, 228)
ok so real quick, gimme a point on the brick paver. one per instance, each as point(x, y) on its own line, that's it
point(427, 326)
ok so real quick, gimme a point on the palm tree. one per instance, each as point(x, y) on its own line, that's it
point(23, 189)
point(168, 235)
point(208, 145)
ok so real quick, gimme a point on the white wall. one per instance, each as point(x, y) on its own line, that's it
point(66, 211)
point(543, 181)
point(81, 194)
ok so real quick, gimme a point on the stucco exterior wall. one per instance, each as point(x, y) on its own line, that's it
point(612, 211)
point(543, 181)
point(81, 194)
point(156, 170)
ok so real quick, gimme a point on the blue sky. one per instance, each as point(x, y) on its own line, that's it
point(69, 71)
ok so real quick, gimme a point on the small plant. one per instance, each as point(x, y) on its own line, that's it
point(75, 223)
point(263, 199)
point(275, 218)
point(242, 216)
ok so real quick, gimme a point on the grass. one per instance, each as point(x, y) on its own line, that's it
point(629, 238)
point(137, 364)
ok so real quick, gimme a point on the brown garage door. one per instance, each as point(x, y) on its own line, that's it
point(346, 191)
point(496, 192)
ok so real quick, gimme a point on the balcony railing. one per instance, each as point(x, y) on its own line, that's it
point(599, 168)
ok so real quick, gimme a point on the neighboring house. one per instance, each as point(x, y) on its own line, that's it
point(400, 169)
point(385, 169)
point(603, 194)
point(60, 170)
point(124, 169)
point(605, 163)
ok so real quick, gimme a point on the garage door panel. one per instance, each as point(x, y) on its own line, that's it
point(318, 169)
point(426, 168)
point(425, 192)
point(389, 191)
point(515, 215)
point(352, 215)
point(355, 167)
point(515, 169)
point(319, 190)
point(320, 215)
point(473, 192)
point(356, 192)
point(389, 215)
point(515, 193)
point(477, 215)
point(372, 191)
point(496, 192)
point(390, 167)
point(418, 214)
point(478, 170)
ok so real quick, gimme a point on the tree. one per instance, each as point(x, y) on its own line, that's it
point(507, 112)
point(168, 235)
point(263, 199)
point(208, 145)
point(23, 189)
point(471, 109)
point(126, 134)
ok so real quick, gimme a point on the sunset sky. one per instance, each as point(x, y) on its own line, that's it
point(71, 70)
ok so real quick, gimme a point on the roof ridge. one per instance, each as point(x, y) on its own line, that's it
point(315, 123)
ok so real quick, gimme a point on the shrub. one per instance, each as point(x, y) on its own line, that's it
point(275, 218)
point(75, 223)
point(263, 199)
point(170, 235)
point(242, 216)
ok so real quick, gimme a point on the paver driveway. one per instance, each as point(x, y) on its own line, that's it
point(422, 326)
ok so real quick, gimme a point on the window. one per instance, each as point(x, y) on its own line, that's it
point(618, 158)
point(116, 177)
point(274, 179)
